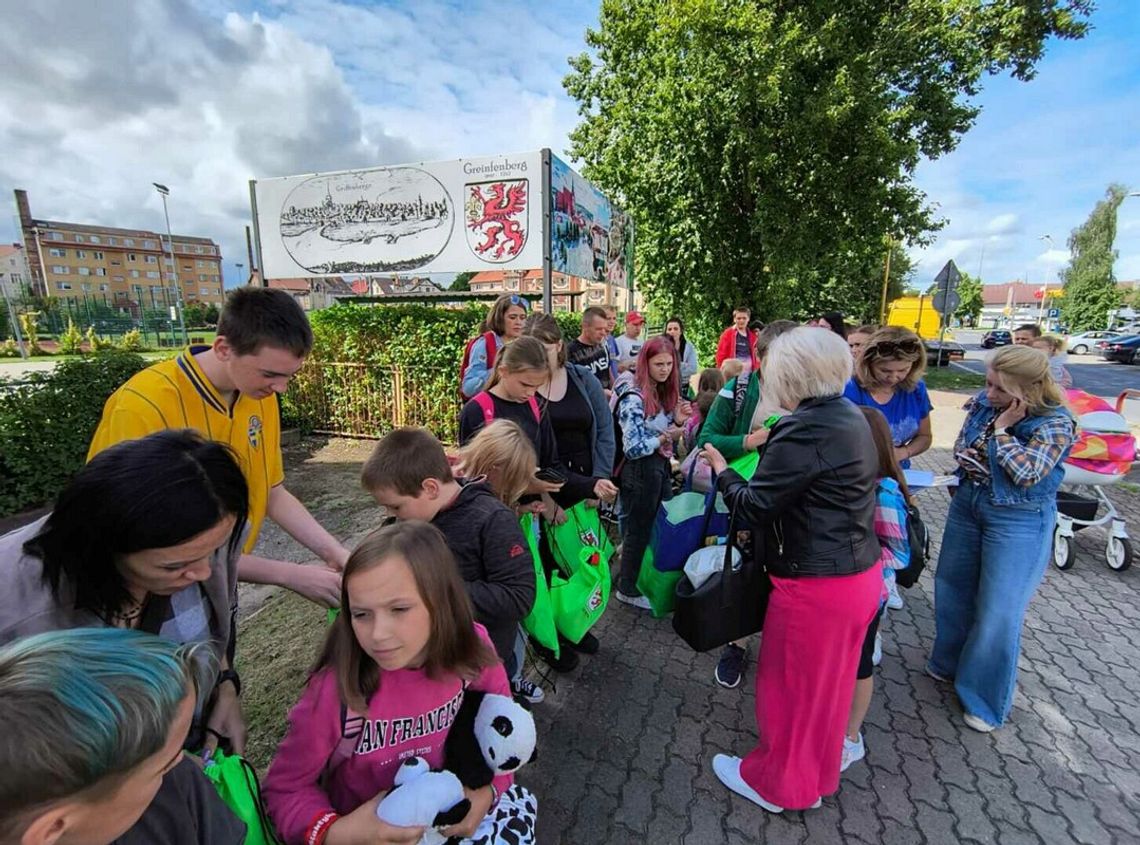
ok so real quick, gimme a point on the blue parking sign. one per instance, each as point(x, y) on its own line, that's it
point(1054, 312)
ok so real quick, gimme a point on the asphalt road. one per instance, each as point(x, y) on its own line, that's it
point(1090, 372)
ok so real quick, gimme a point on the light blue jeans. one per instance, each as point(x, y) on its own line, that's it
point(993, 557)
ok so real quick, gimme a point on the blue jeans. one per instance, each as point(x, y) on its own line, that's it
point(993, 557)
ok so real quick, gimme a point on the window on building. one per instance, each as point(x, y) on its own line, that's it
point(188, 267)
point(100, 271)
point(86, 287)
point(55, 236)
point(106, 287)
point(132, 256)
point(95, 239)
point(79, 239)
point(57, 252)
point(63, 285)
point(134, 274)
point(80, 253)
point(152, 274)
point(151, 259)
point(150, 245)
point(60, 269)
point(84, 271)
point(204, 291)
point(112, 241)
point(117, 279)
point(128, 241)
point(116, 262)
point(98, 256)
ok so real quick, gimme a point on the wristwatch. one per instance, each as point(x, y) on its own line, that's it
point(231, 676)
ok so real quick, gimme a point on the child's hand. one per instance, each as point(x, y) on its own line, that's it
point(318, 583)
point(480, 805)
point(361, 827)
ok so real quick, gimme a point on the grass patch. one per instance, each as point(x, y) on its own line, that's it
point(952, 378)
point(276, 647)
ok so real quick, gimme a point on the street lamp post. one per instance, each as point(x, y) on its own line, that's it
point(1045, 292)
point(239, 266)
point(164, 192)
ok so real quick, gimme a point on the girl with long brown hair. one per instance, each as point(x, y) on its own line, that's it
point(389, 681)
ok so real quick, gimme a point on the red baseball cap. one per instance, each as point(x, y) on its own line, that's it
point(634, 318)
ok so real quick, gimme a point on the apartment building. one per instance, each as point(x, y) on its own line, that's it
point(568, 293)
point(123, 268)
point(14, 273)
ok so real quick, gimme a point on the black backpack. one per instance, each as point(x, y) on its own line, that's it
point(919, 539)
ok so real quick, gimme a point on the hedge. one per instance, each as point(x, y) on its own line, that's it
point(47, 422)
point(402, 366)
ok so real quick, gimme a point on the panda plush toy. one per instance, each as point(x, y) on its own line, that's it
point(491, 735)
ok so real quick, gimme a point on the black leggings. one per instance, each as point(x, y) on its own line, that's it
point(645, 484)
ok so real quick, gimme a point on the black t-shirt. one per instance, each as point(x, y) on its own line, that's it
point(186, 811)
point(594, 358)
point(743, 347)
point(571, 418)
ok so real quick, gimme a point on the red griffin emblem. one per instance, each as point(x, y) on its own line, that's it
point(496, 220)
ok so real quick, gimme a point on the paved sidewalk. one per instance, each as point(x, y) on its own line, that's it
point(627, 740)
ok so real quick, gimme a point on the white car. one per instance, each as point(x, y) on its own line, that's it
point(1079, 344)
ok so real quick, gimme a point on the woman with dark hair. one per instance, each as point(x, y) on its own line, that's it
point(833, 320)
point(504, 323)
point(685, 350)
point(652, 416)
point(147, 536)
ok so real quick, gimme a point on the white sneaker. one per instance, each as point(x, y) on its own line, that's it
point(894, 598)
point(977, 723)
point(853, 752)
point(633, 601)
point(877, 654)
point(727, 769)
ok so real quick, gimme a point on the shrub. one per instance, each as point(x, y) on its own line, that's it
point(47, 422)
point(70, 340)
point(131, 341)
point(9, 349)
point(30, 327)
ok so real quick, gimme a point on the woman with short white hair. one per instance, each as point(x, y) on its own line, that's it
point(810, 507)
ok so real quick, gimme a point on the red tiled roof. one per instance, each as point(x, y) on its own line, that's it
point(1022, 292)
point(12, 249)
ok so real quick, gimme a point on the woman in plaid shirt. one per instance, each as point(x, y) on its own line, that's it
point(998, 533)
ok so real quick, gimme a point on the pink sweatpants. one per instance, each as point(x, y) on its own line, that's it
point(805, 679)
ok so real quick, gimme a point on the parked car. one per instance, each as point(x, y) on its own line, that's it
point(997, 337)
point(940, 355)
point(1079, 344)
point(1125, 349)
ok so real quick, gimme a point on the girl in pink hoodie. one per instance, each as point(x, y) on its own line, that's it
point(387, 686)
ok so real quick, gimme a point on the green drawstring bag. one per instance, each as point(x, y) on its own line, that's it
point(746, 465)
point(239, 788)
point(539, 623)
point(580, 600)
point(582, 529)
point(657, 586)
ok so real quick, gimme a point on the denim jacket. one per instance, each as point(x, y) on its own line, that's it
point(1003, 491)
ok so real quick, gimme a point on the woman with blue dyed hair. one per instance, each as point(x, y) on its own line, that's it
point(147, 537)
point(94, 721)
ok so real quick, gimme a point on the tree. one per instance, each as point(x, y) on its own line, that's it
point(1089, 283)
point(463, 281)
point(970, 295)
point(765, 147)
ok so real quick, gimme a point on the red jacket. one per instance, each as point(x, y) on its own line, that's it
point(726, 346)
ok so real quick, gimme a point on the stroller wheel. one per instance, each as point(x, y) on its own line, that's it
point(1118, 554)
point(1064, 553)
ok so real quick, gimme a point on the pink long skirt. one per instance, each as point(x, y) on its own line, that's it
point(805, 679)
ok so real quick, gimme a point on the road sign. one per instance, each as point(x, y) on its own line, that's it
point(948, 277)
point(1054, 312)
point(946, 303)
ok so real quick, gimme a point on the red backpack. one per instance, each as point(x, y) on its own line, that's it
point(492, 351)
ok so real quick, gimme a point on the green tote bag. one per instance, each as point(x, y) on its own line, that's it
point(237, 784)
point(539, 623)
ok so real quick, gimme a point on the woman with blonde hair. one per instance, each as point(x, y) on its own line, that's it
point(811, 509)
point(888, 378)
point(1017, 433)
point(503, 455)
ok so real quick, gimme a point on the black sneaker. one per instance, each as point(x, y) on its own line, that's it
point(566, 660)
point(524, 690)
point(730, 669)
point(587, 645)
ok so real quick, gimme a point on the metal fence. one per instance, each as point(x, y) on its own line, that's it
point(365, 400)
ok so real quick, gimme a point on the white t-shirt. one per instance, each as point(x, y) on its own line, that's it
point(628, 347)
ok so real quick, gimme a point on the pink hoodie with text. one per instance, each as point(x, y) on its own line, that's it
point(409, 715)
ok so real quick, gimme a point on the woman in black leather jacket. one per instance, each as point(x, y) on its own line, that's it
point(810, 507)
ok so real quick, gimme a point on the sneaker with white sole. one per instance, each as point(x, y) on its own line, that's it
point(633, 601)
point(894, 598)
point(730, 667)
point(877, 654)
point(853, 752)
point(727, 769)
point(529, 692)
point(977, 723)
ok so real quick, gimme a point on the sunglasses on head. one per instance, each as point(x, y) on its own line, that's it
point(520, 301)
point(887, 348)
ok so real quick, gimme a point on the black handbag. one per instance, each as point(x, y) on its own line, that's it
point(728, 606)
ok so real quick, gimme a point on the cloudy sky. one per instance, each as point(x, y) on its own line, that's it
point(102, 99)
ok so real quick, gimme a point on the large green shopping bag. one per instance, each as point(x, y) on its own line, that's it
point(580, 600)
point(539, 623)
point(237, 784)
point(657, 586)
point(582, 529)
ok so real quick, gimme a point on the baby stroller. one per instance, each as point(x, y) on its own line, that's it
point(1101, 457)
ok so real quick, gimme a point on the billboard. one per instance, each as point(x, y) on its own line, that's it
point(433, 217)
point(589, 236)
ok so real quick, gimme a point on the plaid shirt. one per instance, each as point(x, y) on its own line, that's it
point(1028, 463)
point(890, 525)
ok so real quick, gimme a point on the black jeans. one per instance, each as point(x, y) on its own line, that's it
point(645, 484)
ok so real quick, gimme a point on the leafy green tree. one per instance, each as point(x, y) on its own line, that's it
point(1090, 285)
point(194, 314)
point(212, 315)
point(463, 281)
point(970, 294)
point(765, 147)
